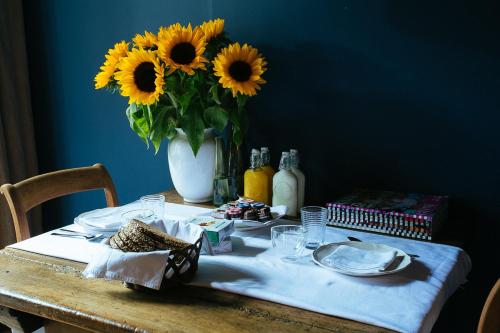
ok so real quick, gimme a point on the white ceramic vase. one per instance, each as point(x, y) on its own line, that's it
point(193, 177)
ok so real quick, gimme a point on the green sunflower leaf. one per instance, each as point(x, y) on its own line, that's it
point(171, 131)
point(173, 99)
point(241, 100)
point(192, 123)
point(239, 120)
point(171, 83)
point(216, 117)
point(148, 115)
point(138, 123)
point(214, 90)
point(237, 136)
point(185, 100)
point(163, 125)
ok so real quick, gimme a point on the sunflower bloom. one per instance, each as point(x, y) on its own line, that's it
point(163, 31)
point(103, 78)
point(212, 28)
point(146, 41)
point(140, 76)
point(240, 69)
point(182, 48)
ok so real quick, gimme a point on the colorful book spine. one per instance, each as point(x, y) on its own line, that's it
point(386, 222)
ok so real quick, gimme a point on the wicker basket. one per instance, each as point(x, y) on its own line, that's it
point(181, 267)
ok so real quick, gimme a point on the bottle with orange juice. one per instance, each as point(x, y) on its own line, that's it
point(256, 180)
point(265, 160)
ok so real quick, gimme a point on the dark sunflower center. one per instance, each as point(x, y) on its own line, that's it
point(183, 53)
point(144, 77)
point(240, 71)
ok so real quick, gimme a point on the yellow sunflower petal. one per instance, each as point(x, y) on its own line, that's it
point(140, 77)
point(239, 68)
point(103, 78)
point(212, 28)
point(182, 48)
point(148, 40)
point(163, 31)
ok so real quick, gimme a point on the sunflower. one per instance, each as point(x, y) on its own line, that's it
point(140, 77)
point(240, 69)
point(182, 48)
point(163, 31)
point(103, 78)
point(212, 28)
point(146, 41)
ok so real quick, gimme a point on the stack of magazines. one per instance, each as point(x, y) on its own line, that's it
point(412, 215)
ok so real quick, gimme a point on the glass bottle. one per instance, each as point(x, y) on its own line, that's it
point(285, 186)
point(265, 158)
point(235, 171)
point(301, 179)
point(221, 185)
point(256, 180)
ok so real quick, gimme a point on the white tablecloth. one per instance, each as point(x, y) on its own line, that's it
point(409, 301)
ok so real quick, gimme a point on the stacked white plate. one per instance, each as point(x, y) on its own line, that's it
point(361, 258)
point(105, 220)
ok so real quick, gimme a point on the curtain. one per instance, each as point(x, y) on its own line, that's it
point(17, 144)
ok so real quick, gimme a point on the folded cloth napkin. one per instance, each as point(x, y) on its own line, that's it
point(143, 268)
point(350, 257)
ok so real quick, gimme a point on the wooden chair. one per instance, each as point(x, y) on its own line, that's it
point(23, 196)
point(31, 192)
point(490, 316)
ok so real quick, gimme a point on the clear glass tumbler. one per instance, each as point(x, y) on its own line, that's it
point(288, 241)
point(314, 220)
point(155, 202)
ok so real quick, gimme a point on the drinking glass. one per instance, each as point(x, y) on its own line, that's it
point(155, 202)
point(288, 240)
point(314, 221)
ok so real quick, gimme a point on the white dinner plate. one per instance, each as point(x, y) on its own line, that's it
point(401, 261)
point(96, 215)
point(277, 212)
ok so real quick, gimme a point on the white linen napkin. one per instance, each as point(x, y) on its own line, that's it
point(350, 257)
point(143, 268)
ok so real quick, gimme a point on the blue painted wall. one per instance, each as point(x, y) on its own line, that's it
point(386, 94)
point(77, 125)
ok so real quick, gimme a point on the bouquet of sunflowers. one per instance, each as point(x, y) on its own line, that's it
point(184, 77)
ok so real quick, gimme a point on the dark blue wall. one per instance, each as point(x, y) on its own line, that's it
point(386, 94)
point(76, 124)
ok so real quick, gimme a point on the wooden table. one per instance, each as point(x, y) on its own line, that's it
point(54, 289)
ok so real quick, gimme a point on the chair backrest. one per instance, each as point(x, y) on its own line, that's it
point(490, 316)
point(31, 192)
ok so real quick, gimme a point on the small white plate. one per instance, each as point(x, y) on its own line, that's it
point(247, 225)
point(95, 215)
point(92, 221)
point(401, 261)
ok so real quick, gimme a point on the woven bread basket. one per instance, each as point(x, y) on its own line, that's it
point(181, 267)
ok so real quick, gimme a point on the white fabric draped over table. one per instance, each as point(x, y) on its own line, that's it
point(408, 301)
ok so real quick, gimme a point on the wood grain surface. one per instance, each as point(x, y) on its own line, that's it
point(53, 288)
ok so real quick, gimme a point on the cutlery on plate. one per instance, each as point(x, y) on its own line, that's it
point(87, 237)
point(354, 239)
